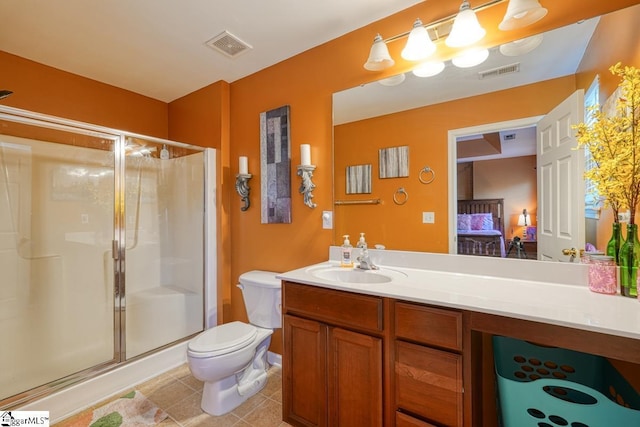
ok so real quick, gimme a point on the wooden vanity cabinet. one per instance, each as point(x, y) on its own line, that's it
point(428, 365)
point(333, 357)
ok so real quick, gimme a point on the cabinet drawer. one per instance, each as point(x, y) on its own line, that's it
point(429, 383)
point(339, 308)
point(428, 325)
point(404, 420)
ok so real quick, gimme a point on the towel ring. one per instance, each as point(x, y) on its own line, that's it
point(428, 178)
point(405, 196)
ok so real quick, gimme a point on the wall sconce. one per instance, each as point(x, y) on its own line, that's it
point(461, 30)
point(305, 171)
point(5, 93)
point(242, 182)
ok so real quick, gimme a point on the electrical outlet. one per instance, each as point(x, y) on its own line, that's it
point(624, 216)
point(428, 217)
point(327, 219)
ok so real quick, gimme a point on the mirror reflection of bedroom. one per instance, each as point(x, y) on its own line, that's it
point(497, 194)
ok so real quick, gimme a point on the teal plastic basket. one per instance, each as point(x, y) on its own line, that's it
point(548, 386)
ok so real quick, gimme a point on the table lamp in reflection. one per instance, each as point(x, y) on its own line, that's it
point(524, 220)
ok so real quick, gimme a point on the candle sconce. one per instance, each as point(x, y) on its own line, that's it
point(307, 186)
point(242, 187)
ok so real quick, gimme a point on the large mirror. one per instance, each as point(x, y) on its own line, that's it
point(419, 212)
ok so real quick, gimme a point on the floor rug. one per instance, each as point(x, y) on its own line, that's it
point(130, 410)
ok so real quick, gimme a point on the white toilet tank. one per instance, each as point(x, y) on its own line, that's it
point(262, 294)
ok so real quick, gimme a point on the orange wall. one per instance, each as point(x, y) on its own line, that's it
point(47, 90)
point(425, 131)
point(202, 118)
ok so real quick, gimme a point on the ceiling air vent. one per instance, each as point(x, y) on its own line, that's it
point(228, 44)
point(500, 71)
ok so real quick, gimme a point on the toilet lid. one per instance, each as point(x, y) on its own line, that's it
point(224, 338)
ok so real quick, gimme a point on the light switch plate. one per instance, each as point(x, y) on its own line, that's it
point(327, 219)
point(428, 217)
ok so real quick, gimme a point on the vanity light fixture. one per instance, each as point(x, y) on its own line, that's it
point(521, 13)
point(242, 182)
point(470, 58)
point(379, 58)
point(419, 44)
point(428, 69)
point(305, 171)
point(466, 28)
point(393, 80)
point(522, 46)
point(461, 30)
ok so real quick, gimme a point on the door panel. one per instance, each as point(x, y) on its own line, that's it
point(304, 365)
point(355, 379)
point(560, 181)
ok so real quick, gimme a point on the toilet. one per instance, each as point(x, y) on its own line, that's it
point(231, 359)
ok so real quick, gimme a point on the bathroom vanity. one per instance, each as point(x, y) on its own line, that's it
point(405, 346)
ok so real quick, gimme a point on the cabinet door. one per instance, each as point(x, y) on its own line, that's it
point(429, 383)
point(304, 372)
point(355, 379)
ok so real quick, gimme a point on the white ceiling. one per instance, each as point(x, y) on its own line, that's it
point(157, 47)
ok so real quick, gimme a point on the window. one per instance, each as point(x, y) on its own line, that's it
point(592, 199)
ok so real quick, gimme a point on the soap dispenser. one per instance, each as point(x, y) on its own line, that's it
point(345, 258)
point(362, 243)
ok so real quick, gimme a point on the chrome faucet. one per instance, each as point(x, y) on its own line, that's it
point(364, 259)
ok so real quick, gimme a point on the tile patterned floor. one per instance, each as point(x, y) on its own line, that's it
point(178, 393)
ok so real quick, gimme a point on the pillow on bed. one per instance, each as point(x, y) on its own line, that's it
point(464, 222)
point(482, 221)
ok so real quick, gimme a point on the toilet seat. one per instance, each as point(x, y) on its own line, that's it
point(222, 339)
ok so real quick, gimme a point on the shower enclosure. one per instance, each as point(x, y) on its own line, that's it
point(102, 249)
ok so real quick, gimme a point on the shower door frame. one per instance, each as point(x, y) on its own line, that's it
point(118, 250)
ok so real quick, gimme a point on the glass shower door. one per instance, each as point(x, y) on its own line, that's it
point(164, 250)
point(56, 232)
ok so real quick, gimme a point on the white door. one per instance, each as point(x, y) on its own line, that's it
point(560, 181)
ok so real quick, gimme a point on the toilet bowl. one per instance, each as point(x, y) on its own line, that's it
point(231, 359)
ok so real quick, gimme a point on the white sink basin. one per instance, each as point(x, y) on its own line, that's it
point(355, 275)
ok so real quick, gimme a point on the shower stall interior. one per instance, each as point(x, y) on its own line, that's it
point(103, 249)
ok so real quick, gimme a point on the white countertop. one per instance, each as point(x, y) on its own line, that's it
point(554, 293)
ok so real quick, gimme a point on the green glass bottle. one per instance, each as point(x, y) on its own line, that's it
point(629, 260)
point(613, 247)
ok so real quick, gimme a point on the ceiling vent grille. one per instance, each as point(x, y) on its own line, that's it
point(500, 71)
point(228, 44)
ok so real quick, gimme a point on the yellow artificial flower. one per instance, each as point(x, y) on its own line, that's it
point(614, 143)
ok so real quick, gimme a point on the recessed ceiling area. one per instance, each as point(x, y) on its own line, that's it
point(497, 145)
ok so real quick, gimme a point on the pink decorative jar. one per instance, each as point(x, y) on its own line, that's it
point(603, 274)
